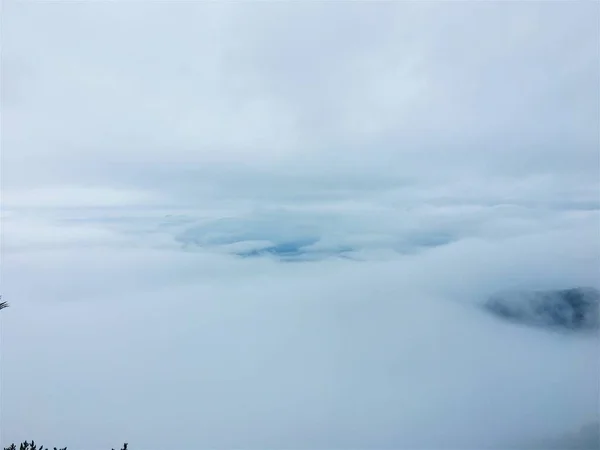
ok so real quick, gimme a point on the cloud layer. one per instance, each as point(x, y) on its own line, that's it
point(349, 95)
point(161, 347)
point(162, 161)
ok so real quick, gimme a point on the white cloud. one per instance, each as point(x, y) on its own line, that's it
point(76, 197)
point(225, 353)
point(474, 88)
point(446, 150)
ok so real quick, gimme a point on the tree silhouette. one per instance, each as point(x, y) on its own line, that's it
point(32, 446)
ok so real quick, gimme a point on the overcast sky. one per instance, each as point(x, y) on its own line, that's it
point(163, 161)
point(232, 97)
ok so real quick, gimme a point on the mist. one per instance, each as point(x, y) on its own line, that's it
point(162, 347)
point(270, 225)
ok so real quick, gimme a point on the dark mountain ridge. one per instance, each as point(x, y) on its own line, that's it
point(573, 309)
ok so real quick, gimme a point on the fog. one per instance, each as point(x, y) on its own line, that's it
point(164, 348)
point(270, 225)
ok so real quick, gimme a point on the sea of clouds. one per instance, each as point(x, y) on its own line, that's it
point(155, 328)
point(274, 225)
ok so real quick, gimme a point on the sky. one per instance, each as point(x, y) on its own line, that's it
point(272, 224)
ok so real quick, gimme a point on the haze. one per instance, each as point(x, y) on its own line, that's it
point(272, 224)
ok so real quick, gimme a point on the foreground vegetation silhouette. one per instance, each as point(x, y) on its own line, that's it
point(32, 446)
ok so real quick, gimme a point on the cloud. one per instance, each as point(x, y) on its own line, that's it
point(586, 437)
point(197, 349)
point(474, 88)
point(161, 161)
point(75, 197)
point(335, 229)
